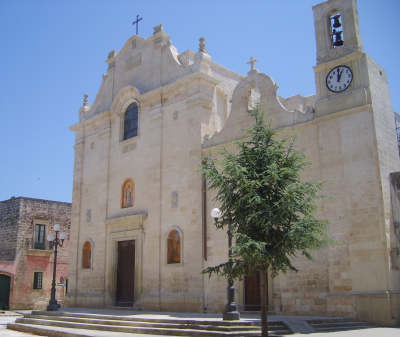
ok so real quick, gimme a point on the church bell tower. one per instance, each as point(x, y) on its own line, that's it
point(357, 153)
point(341, 71)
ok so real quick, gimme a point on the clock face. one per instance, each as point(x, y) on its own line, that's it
point(339, 78)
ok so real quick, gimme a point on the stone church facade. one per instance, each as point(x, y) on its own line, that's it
point(141, 229)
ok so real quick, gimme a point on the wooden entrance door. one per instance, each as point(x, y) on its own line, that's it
point(126, 273)
point(4, 292)
point(252, 292)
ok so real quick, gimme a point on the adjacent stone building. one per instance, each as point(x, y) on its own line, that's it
point(141, 229)
point(26, 262)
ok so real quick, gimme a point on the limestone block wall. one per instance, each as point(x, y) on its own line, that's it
point(71, 298)
point(9, 212)
point(24, 214)
point(383, 114)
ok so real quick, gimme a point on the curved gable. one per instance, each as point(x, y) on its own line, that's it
point(257, 88)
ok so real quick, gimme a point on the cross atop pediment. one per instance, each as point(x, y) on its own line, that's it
point(252, 62)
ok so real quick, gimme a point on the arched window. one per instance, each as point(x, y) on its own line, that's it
point(127, 193)
point(131, 121)
point(87, 255)
point(174, 247)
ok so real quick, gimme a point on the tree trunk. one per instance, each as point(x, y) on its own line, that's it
point(264, 302)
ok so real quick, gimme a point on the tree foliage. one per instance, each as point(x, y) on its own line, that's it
point(263, 199)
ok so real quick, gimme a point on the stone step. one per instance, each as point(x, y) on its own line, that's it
point(56, 332)
point(129, 329)
point(330, 320)
point(339, 324)
point(125, 327)
point(171, 324)
point(342, 328)
point(342, 324)
point(143, 319)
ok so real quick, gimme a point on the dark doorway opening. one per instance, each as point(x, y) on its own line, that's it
point(126, 273)
point(252, 292)
point(4, 292)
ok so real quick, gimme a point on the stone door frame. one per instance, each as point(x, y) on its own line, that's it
point(124, 228)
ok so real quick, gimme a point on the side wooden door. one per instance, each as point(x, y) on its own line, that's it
point(252, 292)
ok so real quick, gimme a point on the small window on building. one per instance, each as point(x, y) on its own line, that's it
point(174, 247)
point(37, 280)
point(127, 193)
point(87, 255)
point(131, 121)
point(40, 237)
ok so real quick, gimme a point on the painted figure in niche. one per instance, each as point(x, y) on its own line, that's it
point(127, 194)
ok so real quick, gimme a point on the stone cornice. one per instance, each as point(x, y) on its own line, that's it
point(149, 98)
point(316, 119)
point(193, 79)
point(340, 60)
point(136, 218)
point(39, 252)
point(92, 122)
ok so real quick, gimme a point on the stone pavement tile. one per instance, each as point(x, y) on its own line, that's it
point(370, 332)
point(12, 333)
point(8, 313)
point(60, 331)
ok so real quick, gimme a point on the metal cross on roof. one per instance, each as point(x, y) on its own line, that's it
point(251, 62)
point(137, 23)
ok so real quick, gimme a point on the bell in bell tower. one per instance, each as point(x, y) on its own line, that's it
point(337, 29)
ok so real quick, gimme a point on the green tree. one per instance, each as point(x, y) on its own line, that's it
point(267, 206)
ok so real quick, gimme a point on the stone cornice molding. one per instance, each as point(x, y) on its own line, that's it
point(211, 146)
point(341, 59)
point(136, 219)
point(91, 123)
point(181, 84)
point(130, 94)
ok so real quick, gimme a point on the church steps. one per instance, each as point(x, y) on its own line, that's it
point(172, 327)
point(143, 319)
point(338, 324)
point(128, 329)
point(171, 324)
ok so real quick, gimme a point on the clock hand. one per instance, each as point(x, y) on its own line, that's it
point(339, 75)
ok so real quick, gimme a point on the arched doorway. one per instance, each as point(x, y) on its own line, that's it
point(4, 291)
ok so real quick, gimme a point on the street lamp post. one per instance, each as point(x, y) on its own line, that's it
point(231, 313)
point(54, 242)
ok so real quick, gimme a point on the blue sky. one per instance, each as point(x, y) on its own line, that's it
point(53, 51)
